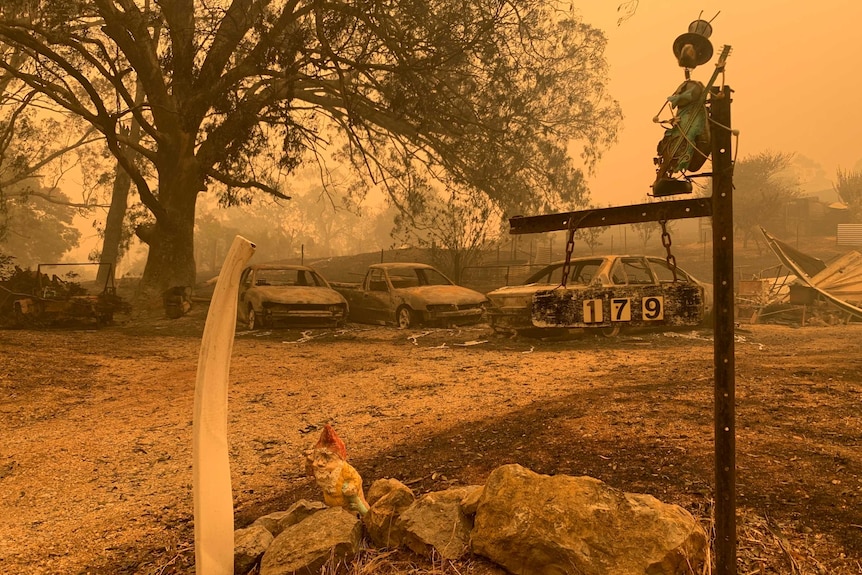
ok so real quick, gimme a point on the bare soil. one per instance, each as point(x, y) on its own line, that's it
point(95, 457)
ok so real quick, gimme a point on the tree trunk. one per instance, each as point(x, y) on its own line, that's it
point(119, 205)
point(114, 225)
point(171, 256)
point(457, 267)
point(170, 261)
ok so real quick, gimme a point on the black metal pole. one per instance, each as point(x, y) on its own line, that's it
point(723, 310)
point(720, 207)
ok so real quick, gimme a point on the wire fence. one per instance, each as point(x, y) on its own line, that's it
point(490, 277)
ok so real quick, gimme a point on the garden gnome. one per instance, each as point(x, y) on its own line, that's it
point(341, 484)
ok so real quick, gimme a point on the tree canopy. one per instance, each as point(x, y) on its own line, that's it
point(848, 185)
point(232, 96)
point(456, 223)
point(763, 189)
point(36, 231)
point(35, 216)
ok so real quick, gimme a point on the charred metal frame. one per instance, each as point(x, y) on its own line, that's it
point(720, 207)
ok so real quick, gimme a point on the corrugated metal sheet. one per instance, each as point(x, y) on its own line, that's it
point(839, 266)
point(849, 234)
point(843, 277)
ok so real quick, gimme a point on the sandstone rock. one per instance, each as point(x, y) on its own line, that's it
point(390, 498)
point(277, 522)
point(333, 535)
point(249, 544)
point(436, 522)
point(471, 500)
point(544, 525)
point(383, 486)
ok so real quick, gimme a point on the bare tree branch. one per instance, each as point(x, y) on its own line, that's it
point(246, 184)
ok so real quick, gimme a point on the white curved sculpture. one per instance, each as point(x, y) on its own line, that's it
point(213, 497)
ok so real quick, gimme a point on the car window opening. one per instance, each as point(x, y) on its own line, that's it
point(431, 277)
point(282, 278)
point(665, 274)
point(404, 278)
point(631, 271)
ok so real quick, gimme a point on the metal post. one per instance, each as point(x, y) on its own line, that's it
point(720, 207)
point(723, 313)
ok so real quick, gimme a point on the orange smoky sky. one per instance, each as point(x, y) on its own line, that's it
point(794, 70)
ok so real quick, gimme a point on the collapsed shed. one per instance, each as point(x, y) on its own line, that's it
point(811, 287)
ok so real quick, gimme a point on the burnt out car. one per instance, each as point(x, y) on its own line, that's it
point(289, 295)
point(409, 294)
point(608, 292)
point(64, 293)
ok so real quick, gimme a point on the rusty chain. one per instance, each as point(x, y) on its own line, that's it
point(666, 242)
point(570, 247)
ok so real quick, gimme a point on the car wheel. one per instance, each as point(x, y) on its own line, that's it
point(254, 321)
point(404, 317)
point(612, 331)
point(20, 317)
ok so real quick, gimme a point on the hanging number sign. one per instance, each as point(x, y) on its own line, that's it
point(672, 303)
point(652, 309)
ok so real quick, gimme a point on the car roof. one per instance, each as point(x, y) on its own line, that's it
point(280, 267)
point(607, 257)
point(395, 265)
point(601, 257)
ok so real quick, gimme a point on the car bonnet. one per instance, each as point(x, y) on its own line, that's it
point(298, 294)
point(451, 294)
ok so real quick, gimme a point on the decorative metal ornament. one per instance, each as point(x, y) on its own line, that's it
point(686, 143)
point(694, 48)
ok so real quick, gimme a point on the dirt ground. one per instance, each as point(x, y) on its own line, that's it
point(95, 458)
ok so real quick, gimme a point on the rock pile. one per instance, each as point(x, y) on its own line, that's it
point(525, 522)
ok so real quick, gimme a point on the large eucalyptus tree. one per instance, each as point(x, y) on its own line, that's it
point(233, 95)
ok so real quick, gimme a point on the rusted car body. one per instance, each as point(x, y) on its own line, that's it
point(409, 294)
point(608, 292)
point(294, 295)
